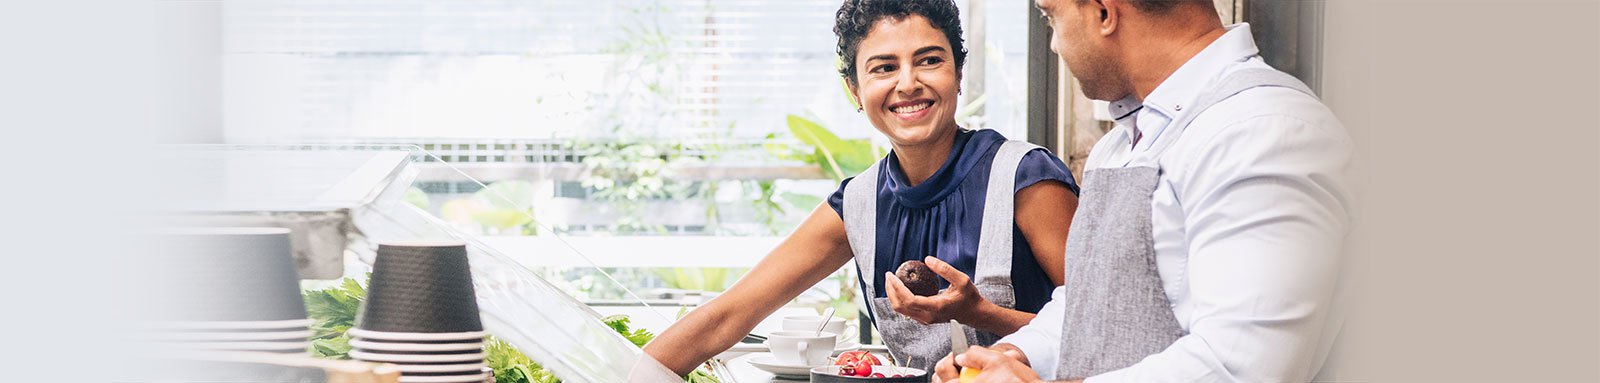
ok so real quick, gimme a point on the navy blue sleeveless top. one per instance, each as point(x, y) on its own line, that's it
point(943, 216)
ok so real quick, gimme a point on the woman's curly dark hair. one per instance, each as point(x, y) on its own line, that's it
point(856, 18)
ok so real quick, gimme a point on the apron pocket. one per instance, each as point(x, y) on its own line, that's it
point(915, 344)
point(1002, 295)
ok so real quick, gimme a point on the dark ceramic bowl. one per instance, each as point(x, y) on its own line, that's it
point(830, 374)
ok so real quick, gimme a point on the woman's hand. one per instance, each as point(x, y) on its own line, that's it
point(960, 301)
point(815, 250)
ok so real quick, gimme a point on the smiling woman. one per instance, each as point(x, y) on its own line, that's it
point(902, 61)
point(908, 89)
point(954, 198)
point(946, 193)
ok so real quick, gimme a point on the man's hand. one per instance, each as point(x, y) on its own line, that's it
point(947, 365)
point(960, 301)
point(1002, 363)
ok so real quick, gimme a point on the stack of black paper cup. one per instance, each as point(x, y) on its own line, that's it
point(227, 289)
point(421, 314)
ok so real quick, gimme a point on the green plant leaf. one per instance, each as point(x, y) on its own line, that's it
point(839, 157)
point(334, 348)
point(333, 311)
point(799, 200)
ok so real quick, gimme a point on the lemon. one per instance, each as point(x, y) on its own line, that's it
point(969, 374)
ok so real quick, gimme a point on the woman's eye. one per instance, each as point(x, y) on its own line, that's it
point(932, 60)
point(882, 69)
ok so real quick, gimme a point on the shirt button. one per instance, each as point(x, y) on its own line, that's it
point(1179, 108)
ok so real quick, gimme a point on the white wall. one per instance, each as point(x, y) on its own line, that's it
point(1478, 122)
point(188, 98)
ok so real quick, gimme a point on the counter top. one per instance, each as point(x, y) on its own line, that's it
point(743, 372)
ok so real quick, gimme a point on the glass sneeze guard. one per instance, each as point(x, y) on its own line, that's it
point(362, 195)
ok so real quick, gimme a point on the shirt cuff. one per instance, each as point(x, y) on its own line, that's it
point(1040, 350)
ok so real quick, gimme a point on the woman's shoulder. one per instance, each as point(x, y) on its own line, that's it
point(1039, 165)
point(1036, 155)
point(1037, 158)
point(1041, 157)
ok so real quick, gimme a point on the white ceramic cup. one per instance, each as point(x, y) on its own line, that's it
point(809, 323)
point(802, 348)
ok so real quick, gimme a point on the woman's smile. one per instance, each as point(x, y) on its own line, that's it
point(911, 111)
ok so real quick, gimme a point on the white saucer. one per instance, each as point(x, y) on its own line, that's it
point(769, 363)
point(762, 347)
point(387, 346)
point(408, 358)
point(479, 377)
point(416, 336)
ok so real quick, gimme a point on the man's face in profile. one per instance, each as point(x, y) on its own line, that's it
point(1075, 35)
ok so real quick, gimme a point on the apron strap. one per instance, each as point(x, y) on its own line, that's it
point(999, 207)
point(861, 224)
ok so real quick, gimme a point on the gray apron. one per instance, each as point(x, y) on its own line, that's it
point(915, 344)
point(1117, 312)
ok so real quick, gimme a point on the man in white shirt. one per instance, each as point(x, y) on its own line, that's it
point(1206, 246)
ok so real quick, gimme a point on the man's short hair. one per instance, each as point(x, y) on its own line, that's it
point(1161, 7)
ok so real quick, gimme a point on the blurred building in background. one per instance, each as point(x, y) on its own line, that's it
point(620, 116)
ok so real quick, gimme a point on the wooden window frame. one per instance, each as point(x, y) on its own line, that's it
point(1060, 118)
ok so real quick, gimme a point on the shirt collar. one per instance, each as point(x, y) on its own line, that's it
point(1125, 113)
point(1184, 86)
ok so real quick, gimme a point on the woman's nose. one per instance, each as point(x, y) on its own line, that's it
point(907, 83)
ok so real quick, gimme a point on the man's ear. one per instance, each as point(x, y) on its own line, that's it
point(1109, 14)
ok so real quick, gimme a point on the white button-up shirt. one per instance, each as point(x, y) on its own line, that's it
point(1247, 216)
